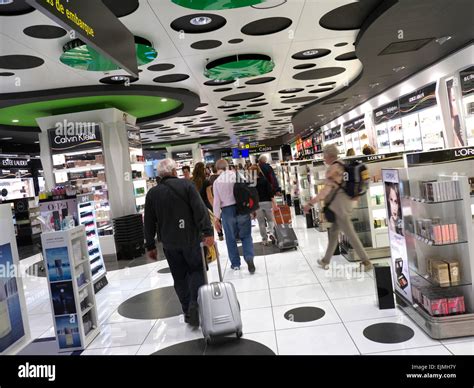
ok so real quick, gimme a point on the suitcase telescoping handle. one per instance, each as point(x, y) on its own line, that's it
point(204, 264)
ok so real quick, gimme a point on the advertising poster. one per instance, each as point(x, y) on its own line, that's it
point(57, 260)
point(62, 294)
point(11, 320)
point(67, 330)
point(398, 248)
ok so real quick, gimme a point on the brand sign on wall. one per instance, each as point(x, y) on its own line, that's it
point(441, 156)
point(74, 137)
point(181, 155)
point(8, 163)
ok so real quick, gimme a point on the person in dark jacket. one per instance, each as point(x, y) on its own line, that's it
point(269, 173)
point(175, 210)
point(267, 204)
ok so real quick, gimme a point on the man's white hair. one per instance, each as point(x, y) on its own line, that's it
point(166, 167)
point(331, 151)
point(222, 164)
point(263, 158)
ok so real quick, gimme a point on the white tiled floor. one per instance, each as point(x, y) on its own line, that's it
point(283, 281)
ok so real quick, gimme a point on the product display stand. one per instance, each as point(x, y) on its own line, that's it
point(318, 175)
point(369, 214)
point(87, 217)
point(433, 246)
point(14, 327)
point(71, 288)
point(304, 181)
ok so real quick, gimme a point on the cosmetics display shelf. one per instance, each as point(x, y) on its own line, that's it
point(431, 242)
point(71, 288)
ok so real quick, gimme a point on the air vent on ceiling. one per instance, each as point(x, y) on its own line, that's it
point(405, 46)
point(334, 101)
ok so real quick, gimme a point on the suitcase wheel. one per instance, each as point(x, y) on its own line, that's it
point(239, 334)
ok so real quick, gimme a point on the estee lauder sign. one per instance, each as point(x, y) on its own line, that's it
point(14, 163)
point(96, 25)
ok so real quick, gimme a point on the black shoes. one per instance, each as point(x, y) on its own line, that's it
point(192, 317)
point(251, 266)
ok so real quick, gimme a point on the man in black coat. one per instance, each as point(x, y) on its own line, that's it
point(176, 211)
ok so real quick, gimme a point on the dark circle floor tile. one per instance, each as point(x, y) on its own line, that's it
point(304, 314)
point(222, 347)
point(155, 304)
point(388, 333)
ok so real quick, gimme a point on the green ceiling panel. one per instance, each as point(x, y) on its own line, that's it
point(240, 69)
point(215, 5)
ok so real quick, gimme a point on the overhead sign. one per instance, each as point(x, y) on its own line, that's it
point(76, 138)
point(441, 156)
point(354, 125)
point(421, 99)
point(386, 112)
point(181, 155)
point(95, 25)
point(7, 163)
point(467, 81)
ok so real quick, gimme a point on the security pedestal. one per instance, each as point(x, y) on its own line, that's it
point(383, 286)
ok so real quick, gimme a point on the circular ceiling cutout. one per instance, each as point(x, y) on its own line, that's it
point(327, 83)
point(209, 120)
point(239, 66)
point(235, 41)
point(290, 96)
point(323, 72)
point(350, 16)
point(218, 82)
point(257, 104)
point(45, 32)
point(347, 56)
point(261, 80)
point(19, 62)
point(161, 67)
point(171, 78)
point(304, 66)
point(228, 106)
point(279, 109)
point(202, 104)
point(311, 54)
point(196, 113)
point(182, 122)
point(291, 90)
point(198, 23)
point(266, 26)
point(6, 74)
point(206, 44)
point(78, 55)
point(222, 90)
point(118, 80)
point(229, 110)
point(258, 99)
point(121, 8)
point(320, 90)
point(341, 44)
point(249, 114)
point(198, 125)
point(18, 7)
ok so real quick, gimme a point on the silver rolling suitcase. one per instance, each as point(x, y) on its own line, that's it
point(219, 309)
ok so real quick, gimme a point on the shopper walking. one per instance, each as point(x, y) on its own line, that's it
point(174, 209)
point(269, 173)
point(210, 194)
point(236, 226)
point(341, 205)
point(267, 204)
point(201, 182)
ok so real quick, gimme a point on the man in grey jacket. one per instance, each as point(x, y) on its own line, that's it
point(176, 211)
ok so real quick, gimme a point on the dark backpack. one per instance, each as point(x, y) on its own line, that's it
point(246, 197)
point(355, 181)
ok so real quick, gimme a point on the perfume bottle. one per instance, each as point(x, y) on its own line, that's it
point(69, 338)
point(5, 325)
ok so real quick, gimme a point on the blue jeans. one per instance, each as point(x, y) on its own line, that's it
point(237, 226)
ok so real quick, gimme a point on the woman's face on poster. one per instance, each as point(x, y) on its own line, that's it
point(394, 203)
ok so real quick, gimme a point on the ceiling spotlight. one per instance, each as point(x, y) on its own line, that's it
point(307, 53)
point(6, 138)
point(374, 85)
point(164, 100)
point(5, 2)
point(399, 68)
point(200, 20)
point(119, 78)
point(15, 121)
point(36, 142)
point(443, 39)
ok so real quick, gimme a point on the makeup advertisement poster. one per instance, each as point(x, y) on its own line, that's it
point(396, 233)
point(11, 320)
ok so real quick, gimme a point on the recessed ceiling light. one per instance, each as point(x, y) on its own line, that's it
point(5, 2)
point(15, 121)
point(119, 78)
point(200, 20)
point(310, 52)
point(164, 100)
point(399, 68)
point(36, 142)
point(443, 39)
point(6, 138)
